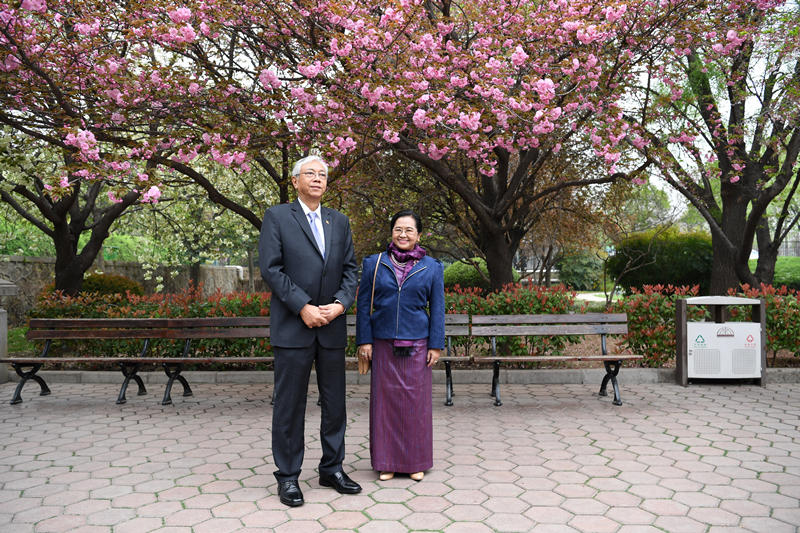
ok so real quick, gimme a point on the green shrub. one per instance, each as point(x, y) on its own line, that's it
point(782, 306)
point(651, 321)
point(582, 271)
point(189, 303)
point(666, 258)
point(515, 300)
point(17, 341)
point(111, 284)
point(787, 272)
point(464, 274)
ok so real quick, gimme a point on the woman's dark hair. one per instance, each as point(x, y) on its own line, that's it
point(407, 213)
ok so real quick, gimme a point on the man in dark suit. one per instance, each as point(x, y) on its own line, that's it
point(306, 257)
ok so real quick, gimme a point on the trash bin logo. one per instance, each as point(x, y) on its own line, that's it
point(725, 332)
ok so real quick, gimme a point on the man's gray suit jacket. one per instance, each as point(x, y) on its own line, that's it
point(293, 267)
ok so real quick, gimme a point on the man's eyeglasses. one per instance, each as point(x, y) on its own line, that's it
point(310, 174)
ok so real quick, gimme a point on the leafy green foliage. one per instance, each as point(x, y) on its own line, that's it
point(19, 237)
point(111, 284)
point(666, 258)
point(787, 272)
point(189, 303)
point(17, 341)
point(783, 315)
point(515, 300)
point(581, 271)
point(651, 321)
point(464, 274)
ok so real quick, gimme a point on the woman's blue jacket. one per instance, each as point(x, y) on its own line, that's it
point(412, 311)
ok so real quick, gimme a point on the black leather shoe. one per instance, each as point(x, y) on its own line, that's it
point(289, 492)
point(340, 482)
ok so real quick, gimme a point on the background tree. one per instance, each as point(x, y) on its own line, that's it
point(107, 93)
point(720, 117)
point(27, 169)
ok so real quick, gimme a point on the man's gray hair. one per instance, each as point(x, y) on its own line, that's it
point(308, 159)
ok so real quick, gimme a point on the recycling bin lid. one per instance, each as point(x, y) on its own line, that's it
point(721, 300)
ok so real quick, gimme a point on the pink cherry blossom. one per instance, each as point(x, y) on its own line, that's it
point(152, 195)
point(39, 6)
point(519, 57)
point(182, 14)
point(269, 79)
point(391, 136)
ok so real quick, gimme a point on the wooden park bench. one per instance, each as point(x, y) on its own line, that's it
point(192, 329)
point(145, 329)
point(494, 326)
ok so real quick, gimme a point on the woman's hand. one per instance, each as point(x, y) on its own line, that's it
point(433, 356)
point(364, 352)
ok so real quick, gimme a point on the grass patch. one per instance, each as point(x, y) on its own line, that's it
point(787, 271)
point(17, 341)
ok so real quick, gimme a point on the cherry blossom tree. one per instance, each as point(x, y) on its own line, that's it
point(720, 115)
point(479, 93)
point(104, 99)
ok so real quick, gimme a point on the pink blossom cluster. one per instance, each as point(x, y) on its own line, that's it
point(86, 143)
point(502, 75)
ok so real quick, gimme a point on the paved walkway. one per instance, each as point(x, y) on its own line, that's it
point(706, 458)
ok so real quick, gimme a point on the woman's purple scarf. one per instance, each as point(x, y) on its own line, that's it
point(409, 257)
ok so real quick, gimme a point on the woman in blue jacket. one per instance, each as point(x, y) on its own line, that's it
point(400, 329)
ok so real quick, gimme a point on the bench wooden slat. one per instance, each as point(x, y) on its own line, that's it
point(147, 360)
point(178, 333)
point(455, 325)
point(538, 358)
point(562, 329)
point(580, 318)
point(135, 323)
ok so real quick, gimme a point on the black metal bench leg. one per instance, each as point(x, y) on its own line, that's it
point(130, 371)
point(496, 384)
point(24, 377)
point(612, 369)
point(448, 372)
point(173, 371)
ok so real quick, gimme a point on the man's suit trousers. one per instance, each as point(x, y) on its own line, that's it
point(292, 372)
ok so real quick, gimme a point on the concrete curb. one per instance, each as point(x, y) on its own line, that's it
point(627, 376)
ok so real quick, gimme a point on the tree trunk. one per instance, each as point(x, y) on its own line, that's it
point(69, 274)
point(734, 220)
point(767, 254)
point(499, 262)
point(723, 273)
point(70, 265)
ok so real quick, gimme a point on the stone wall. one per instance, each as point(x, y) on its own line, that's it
point(32, 274)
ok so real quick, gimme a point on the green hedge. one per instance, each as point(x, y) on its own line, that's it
point(669, 257)
point(783, 315)
point(581, 271)
point(461, 274)
point(651, 319)
point(189, 303)
point(111, 284)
